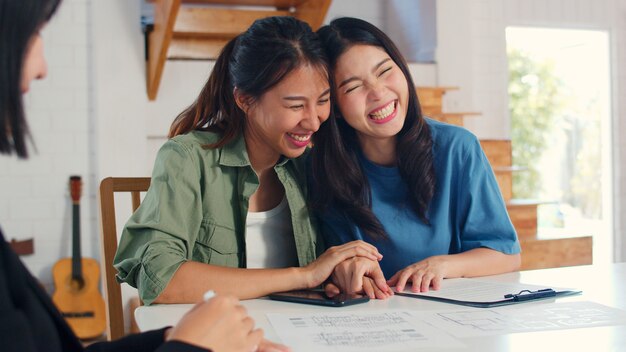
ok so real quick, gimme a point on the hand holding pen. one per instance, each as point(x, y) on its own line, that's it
point(219, 323)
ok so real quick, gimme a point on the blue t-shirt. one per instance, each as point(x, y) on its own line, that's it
point(466, 212)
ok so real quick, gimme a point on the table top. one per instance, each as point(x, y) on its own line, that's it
point(601, 284)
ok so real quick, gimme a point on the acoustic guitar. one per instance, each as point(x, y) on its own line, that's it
point(76, 281)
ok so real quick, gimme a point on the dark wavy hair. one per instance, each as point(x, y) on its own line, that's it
point(20, 21)
point(253, 62)
point(338, 179)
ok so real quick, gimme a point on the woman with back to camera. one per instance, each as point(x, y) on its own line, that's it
point(420, 190)
point(29, 321)
point(226, 209)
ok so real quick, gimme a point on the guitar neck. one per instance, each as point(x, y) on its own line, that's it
point(77, 270)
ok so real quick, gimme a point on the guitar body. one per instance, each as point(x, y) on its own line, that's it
point(81, 305)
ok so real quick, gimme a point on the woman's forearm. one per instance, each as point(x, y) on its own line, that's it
point(193, 279)
point(481, 262)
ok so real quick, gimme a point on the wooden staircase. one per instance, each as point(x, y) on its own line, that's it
point(538, 250)
point(431, 99)
point(198, 29)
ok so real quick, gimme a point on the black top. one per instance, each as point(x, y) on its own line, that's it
point(30, 322)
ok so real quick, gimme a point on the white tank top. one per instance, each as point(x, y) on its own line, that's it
point(269, 238)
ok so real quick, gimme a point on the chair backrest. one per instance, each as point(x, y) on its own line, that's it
point(112, 290)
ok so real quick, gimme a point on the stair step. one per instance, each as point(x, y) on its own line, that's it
point(520, 203)
point(198, 29)
point(284, 4)
point(509, 169)
point(498, 152)
point(524, 219)
point(200, 33)
point(556, 251)
point(431, 99)
point(504, 176)
point(505, 183)
point(212, 22)
point(453, 118)
point(523, 214)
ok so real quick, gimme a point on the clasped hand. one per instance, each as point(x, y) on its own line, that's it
point(358, 275)
point(363, 275)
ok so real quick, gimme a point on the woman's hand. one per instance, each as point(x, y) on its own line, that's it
point(422, 275)
point(220, 324)
point(359, 275)
point(319, 270)
point(269, 346)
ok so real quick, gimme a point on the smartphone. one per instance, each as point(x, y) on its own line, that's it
point(318, 297)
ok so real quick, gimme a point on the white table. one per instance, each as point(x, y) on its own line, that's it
point(601, 284)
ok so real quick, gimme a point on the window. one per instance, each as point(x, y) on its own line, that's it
point(559, 91)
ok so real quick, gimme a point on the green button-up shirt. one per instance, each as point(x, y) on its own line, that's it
point(196, 210)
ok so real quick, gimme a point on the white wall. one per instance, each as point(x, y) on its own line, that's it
point(472, 55)
point(618, 43)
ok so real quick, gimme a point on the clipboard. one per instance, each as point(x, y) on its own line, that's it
point(486, 294)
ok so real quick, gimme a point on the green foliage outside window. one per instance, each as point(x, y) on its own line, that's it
point(545, 115)
point(535, 103)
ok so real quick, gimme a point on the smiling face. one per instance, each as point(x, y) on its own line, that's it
point(283, 120)
point(372, 93)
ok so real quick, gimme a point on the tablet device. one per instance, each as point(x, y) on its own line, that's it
point(319, 298)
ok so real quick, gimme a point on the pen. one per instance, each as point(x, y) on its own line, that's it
point(521, 296)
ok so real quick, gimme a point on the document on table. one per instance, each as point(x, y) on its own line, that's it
point(471, 322)
point(484, 293)
point(380, 331)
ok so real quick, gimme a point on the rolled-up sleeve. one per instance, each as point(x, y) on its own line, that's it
point(160, 235)
point(484, 221)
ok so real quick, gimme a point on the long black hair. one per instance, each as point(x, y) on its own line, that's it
point(338, 179)
point(20, 20)
point(253, 62)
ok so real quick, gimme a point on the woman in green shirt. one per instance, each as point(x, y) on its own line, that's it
point(234, 155)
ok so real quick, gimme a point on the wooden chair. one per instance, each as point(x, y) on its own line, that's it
point(113, 292)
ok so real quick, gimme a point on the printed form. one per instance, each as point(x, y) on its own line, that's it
point(472, 322)
point(381, 331)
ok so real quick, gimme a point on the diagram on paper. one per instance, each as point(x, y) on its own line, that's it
point(357, 331)
point(477, 322)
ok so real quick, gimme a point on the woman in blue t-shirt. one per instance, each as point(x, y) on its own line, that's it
point(422, 191)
